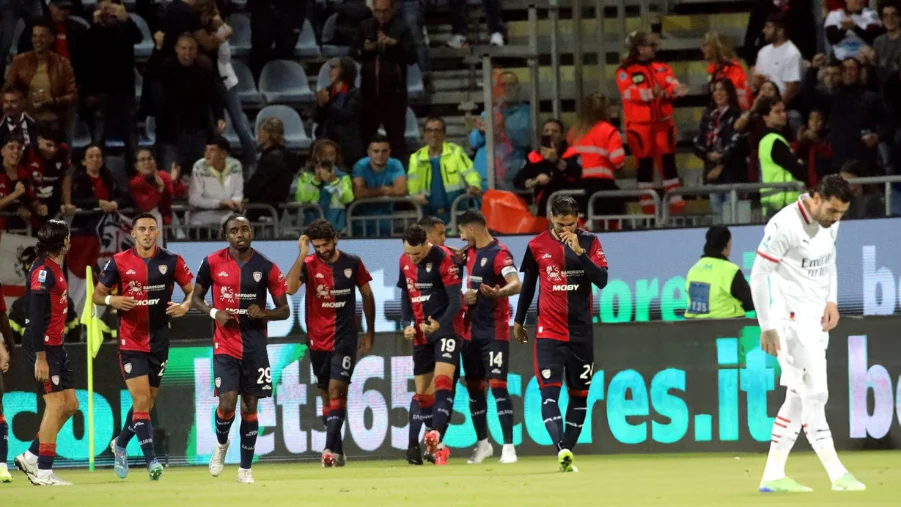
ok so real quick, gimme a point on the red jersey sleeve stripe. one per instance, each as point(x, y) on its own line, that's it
point(767, 257)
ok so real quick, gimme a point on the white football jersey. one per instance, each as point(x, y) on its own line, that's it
point(802, 270)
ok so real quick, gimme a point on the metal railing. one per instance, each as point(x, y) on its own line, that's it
point(455, 210)
point(293, 219)
point(732, 189)
point(27, 231)
point(885, 181)
point(637, 221)
point(265, 223)
point(407, 217)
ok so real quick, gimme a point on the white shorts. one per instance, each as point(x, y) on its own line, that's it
point(802, 357)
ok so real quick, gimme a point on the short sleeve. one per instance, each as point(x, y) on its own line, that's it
point(363, 276)
point(359, 169)
point(776, 243)
point(203, 273)
point(503, 263)
point(278, 286)
point(792, 72)
point(528, 262)
point(397, 170)
point(450, 272)
point(109, 277)
point(834, 18)
point(596, 253)
point(42, 280)
point(183, 275)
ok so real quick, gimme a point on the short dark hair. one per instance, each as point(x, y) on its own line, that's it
point(321, 229)
point(439, 119)
point(52, 237)
point(776, 19)
point(855, 167)
point(472, 216)
point(766, 105)
point(415, 235)
point(430, 222)
point(885, 4)
point(379, 138)
point(11, 138)
point(50, 131)
point(140, 216)
point(233, 216)
point(564, 205)
point(834, 185)
point(556, 121)
point(12, 88)
point(42, 23)
point(717, 238)
point(219, 142)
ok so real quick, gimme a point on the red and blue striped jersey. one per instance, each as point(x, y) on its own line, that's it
point(47, 294)
point(427, 285)
point(489, 319)
point(149, 282)
point(332, 298)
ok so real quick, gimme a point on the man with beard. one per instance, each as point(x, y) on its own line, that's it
point(47, 163)
point(332, 278)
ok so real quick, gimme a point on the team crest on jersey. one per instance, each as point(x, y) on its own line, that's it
point(163, 269)
point(55, 380)
point(428, 267)
point(484, 261)
point(127, 367)
point(257, 276)
point(322, 291)
point(553, 273)
point(546, 374)
point(348, 272)
point(218, 382)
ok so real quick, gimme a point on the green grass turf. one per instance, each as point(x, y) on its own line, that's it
point(634, 480)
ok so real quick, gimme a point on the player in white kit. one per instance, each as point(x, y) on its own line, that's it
point(794, 286)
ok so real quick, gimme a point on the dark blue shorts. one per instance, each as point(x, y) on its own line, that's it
point(486, 359)
point(135, 364)
point(337, 364)
point(250, 375)
point(441, 350)
point(61, 375)
point(556, 360)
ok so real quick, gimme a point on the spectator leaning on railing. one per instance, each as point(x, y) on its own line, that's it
point(378, 175)
point(15, 121)
point(440, 172)
point(777, 162)
point(217, 185)
point(338, 109)
point(331, 189)
point(93, 187)
point(152, 190)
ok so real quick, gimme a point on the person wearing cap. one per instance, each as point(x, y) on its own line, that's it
point(717, 289)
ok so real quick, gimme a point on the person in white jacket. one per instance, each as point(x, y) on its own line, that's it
point(217, 185)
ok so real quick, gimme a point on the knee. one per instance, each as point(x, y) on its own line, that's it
point(476, 388)
point(498, 386)
point(228, 405)
point(337, 393)
point(141, 402)
point(71, 406)
point(444, 383)
point(248, 405)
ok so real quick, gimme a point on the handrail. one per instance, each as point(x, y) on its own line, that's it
point(381, 200)
point(886, 181)
point(550, 198)
point(553, 14)
point(655, 217)
point(731, 188)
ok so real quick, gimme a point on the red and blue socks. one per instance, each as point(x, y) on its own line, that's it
point(223, 425)
point(127, 432)
point(550, 411)
point(575, 417)
point(444, 403)
point(335, 420)
point(4, 439)
point(504, 408)
point(140, 421)
point(46, 453)
point(250, 426)
point(478, 408)
point(420, 415)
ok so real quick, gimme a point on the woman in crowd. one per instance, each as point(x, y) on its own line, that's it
point(152, 190)
point(338, 108)
point(722, 149)
point(717, 49)
point(755, 128)
point(271, 182)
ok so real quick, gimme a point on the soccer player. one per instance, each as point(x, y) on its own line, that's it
point(795, 268)
point(332, 278)
point(492, 279)
point(435, 228)
point(6, 341)
point(239, 277)
point(144, 277)
point(47, 293)
point(431, 300)
point(567, 261)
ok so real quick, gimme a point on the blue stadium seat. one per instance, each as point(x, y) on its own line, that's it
point(82, 135)
point(17, 34)
point(415, 86)
point(323, 81)
point(412, 133)
point(295, 136)
point(145, 47)
point(81, 21)
point(240, 41)
point(285, 81)
point(328, 35)
point(306, 43)
point(247, 89)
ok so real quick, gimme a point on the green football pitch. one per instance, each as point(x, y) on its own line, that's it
point(644, 480)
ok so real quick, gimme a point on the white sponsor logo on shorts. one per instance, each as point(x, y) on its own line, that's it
point(55, 380)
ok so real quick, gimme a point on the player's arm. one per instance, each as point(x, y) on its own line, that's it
point(183, 278)
point(741, 290)
point(776, 243)
point(108, 279)
point(503, 265)
point(830, 314)
point(198, 297)
point(450, 279)
point(529, 269)
point(39, 311)
point(297, 274)
point(593, 260)
point(362, 280)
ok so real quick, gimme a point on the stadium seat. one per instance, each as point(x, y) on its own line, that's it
point(117, 166)
point(295, 136)
point(285, 81)
point(412, 134)
point(306, 43)
point(147, 135)
point(230, 133)
point(139, 85)
point(328, 35)
point(240, 41)
point(145, 47)
point(247, 89)
point(80, 21)
point(415, 86)
point(82, 135)
point(17, 34)
point(323, 80)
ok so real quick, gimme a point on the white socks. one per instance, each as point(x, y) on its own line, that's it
point(785, 431)
point(820, 436)
point(31, 458)
point(43, 474)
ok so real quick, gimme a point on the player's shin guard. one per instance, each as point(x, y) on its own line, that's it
point(337, 413)
point(144, 432)
point(415, 418)
point(478, 408)
point(128, 430)
point(813, 418)
point(785, 431)
point(223, 425)
point(550, 411)
point(444, 403)
point(504, 408)
point(575, 417)
point(250, 426)
point(46, 453)
point(4, 439)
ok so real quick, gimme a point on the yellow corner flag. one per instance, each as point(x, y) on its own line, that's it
point(94, 334)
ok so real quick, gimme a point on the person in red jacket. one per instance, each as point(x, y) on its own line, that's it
point(648, 88)
point(151, 189)
point(717, 49)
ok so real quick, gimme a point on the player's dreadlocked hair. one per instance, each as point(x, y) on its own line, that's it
point(321, 229)
point(564, 205)
point(833, 186)
point(52, 238)
point(415, 235)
